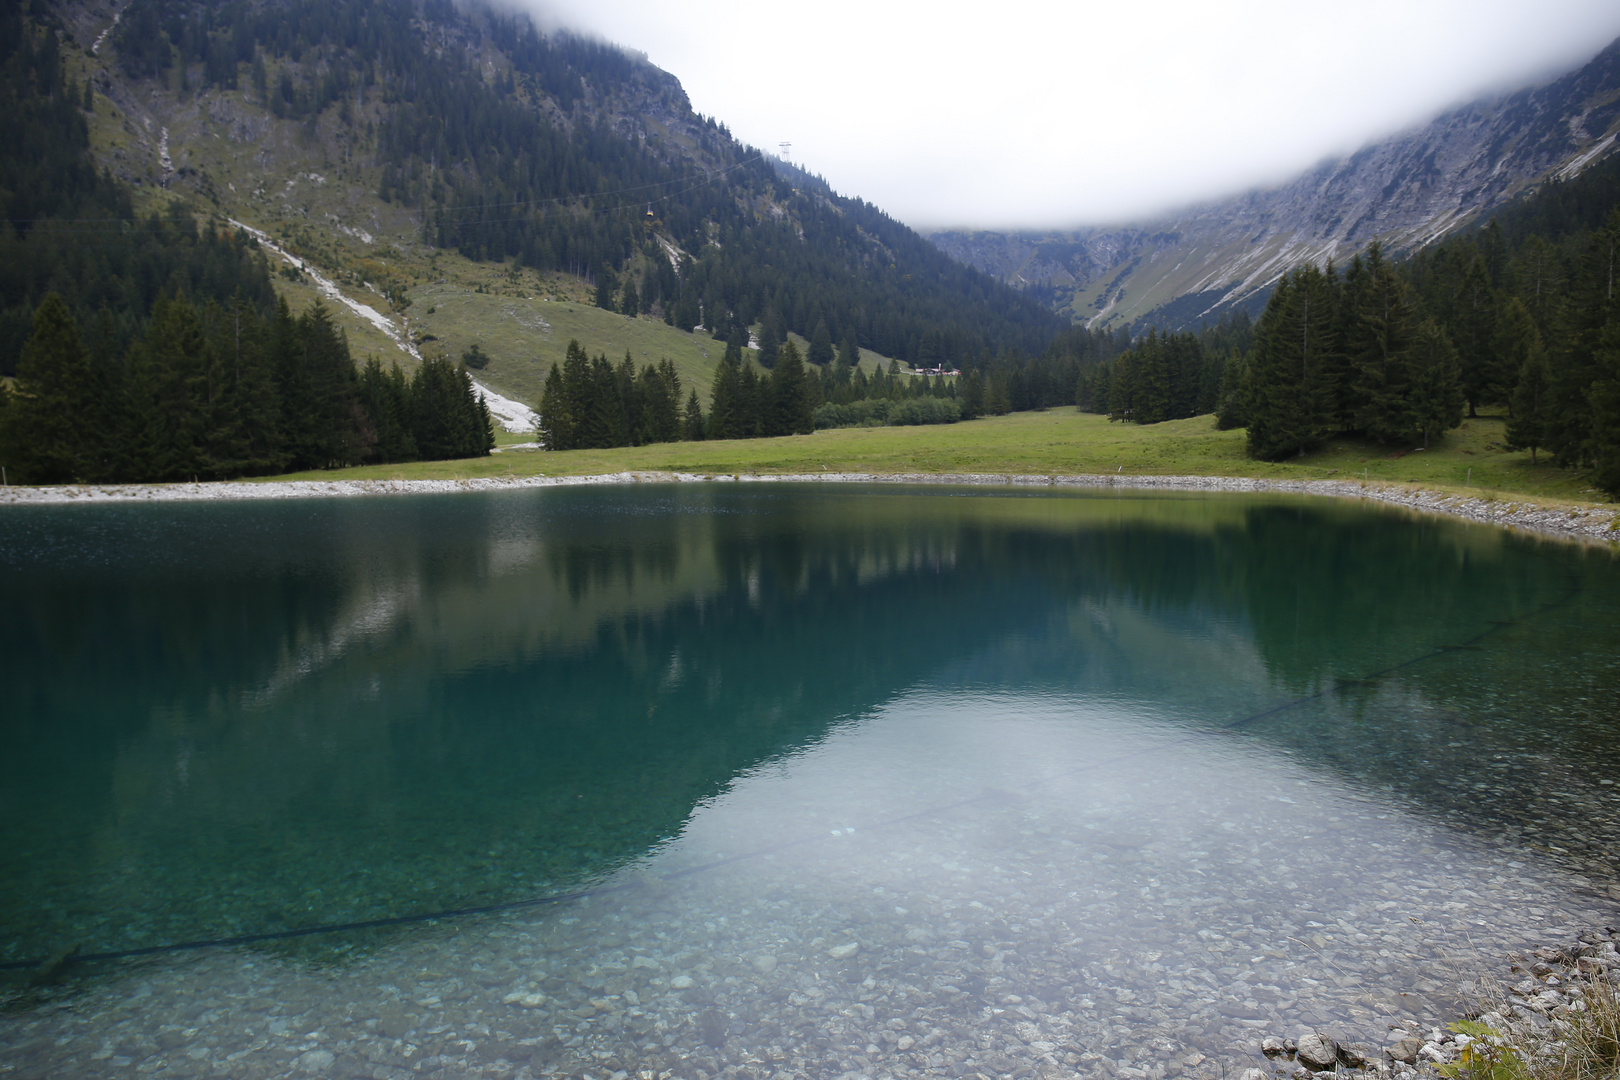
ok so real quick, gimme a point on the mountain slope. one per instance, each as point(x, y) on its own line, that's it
point(403, 144)
point(1407, 191)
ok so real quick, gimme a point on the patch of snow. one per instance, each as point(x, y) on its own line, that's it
point(1576, 167)
point(326, 288)
point(511, 415)
point(164, 160)
point(673, 252)
point(359, 234)
point(96, 48)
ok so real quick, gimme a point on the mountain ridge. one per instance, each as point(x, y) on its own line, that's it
point(376, 139)
point(1407, 190)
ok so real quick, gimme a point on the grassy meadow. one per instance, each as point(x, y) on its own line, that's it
point(1058, 441)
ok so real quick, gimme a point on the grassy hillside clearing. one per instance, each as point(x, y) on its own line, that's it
point(524, 336)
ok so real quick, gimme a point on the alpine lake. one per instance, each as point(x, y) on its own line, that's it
point(778, 781)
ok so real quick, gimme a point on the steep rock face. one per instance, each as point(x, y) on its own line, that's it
point(1407, 191)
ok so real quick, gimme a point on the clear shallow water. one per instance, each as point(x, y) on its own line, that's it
point(1093, 784)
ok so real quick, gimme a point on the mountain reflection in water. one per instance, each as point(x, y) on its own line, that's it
point(801, 702)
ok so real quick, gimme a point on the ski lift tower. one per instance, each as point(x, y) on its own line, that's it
point(786, 146)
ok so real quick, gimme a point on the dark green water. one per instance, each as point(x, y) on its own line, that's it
point(238, 719)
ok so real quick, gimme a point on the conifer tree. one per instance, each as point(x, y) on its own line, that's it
point(692, 431)
point(821, 345)
point(725, 421)
point(1378, 335)
point(771, 336)
point(1289, 393)
point(238, 348)
point(54, 400)
point(1605, 399)
point(849, 353)
point(603, 408)
point(1539, 282)
point(167, 374)
point(1232, 407)
point(751, 402)
point(791, 412)
point(1436, 385)
point(1585, 319)
point(555, 427)
point(625, 413)
point(578, 395)
point(972, 395)
point(1532, 397)
point(605, 288)
point(1472, 328)
point(385, 396)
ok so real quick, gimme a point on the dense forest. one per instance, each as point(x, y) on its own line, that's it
point(220, 392)
point(1520, 314)
point(153, 349)
point(70, 229)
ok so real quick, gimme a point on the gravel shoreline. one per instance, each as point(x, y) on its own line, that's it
point(1568, 520)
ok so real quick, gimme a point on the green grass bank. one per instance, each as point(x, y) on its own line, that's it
point(1471, 460)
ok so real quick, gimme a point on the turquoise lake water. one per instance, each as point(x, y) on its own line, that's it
point(860, 781)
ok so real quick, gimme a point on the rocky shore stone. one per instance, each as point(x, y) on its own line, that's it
point(1405, 1049)
point(1317, 1052)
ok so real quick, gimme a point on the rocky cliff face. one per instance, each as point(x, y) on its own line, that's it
point(1407, 191)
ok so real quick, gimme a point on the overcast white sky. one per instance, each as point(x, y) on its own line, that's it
point(1057, 114)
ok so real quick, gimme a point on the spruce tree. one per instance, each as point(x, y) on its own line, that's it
point(1436, 383)
point(625, 419)
point(725, 421)
point(791, 411)
point(751, 402)
point(555, 427)
point(1289, 392)
point(1532, 397)
point(1605, 399)
point(1586, 315)
point(604, 409)
point(385, 396)
point(849, 353)
point(1539, 281)
point(771, 336)
point(168, 378)
point(1472, 328)
point(692, 431)
point(54, 401)
point(972, 395)
point(821, 345)
point(605, 288)
point(1378, 336)
point(578, 394)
